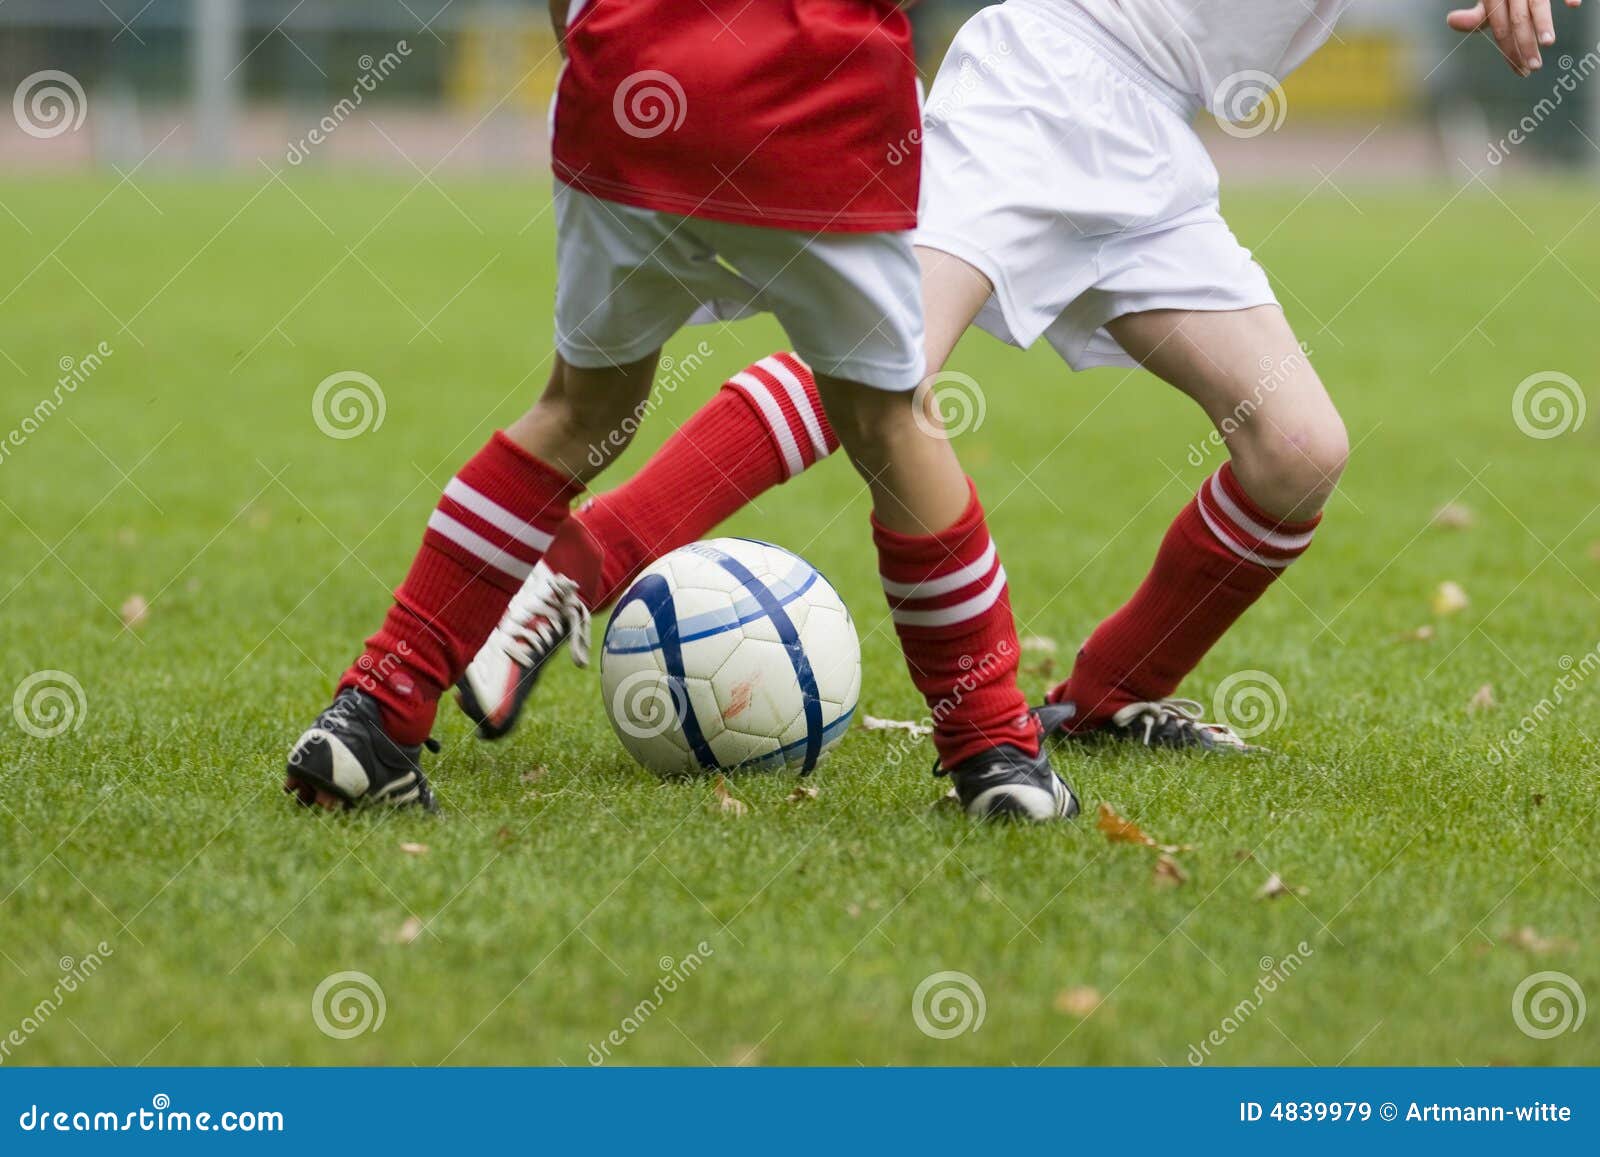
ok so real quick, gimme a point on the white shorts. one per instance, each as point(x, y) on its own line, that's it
point(630, 278)
point(1061, 167)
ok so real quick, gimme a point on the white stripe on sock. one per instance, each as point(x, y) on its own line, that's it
point(476, 544)
point(944, 584)
point(759, 393)
point(802, 402)
point(1244, 522)
point(496, 515)
point(975, 607)
point(1227, 540)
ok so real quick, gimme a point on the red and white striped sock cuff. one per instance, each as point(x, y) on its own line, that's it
point(1247, 530)
point(501, 512)
point(784, 393)
point(941, 581)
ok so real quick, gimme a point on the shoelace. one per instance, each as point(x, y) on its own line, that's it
point(536, 617)
point(1186, 714)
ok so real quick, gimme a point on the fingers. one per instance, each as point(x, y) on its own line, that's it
point(1524, 42)
point(1544, 25)
point(1469, 19)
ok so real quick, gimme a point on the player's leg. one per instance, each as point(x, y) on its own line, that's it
point(1248, 523)
point(764, 426)
point(618, 298)
point(852, 306)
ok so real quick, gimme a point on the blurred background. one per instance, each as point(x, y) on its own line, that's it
point(466, 84)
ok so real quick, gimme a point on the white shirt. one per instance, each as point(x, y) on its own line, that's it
point(1228, 53)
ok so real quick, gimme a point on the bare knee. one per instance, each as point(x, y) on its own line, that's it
point(1291, 473)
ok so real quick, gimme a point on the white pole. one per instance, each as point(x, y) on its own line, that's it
point(217, 79)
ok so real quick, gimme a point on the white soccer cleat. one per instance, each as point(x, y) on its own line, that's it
point(543, 615)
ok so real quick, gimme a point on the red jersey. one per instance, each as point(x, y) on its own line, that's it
point(789, 114)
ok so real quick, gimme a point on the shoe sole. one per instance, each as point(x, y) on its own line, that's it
point(1019, 801)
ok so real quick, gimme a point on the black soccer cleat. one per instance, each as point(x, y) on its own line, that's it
point(347, 754)
point(544, 615)
point(1006, 782)
point(1166, 723)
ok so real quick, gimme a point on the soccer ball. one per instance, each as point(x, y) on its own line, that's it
point(727, 654)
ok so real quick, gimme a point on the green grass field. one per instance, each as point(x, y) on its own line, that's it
point(187, 470)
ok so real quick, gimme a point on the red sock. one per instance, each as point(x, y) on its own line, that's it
point(494, 522)
point(763, 427)
point(1221, 554)
point(952, 611)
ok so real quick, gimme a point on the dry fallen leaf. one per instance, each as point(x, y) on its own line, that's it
point(1454, 516)
point(535, 775)
point(1538, 799)
point(127, 536)
point(1121, 831)
point(134, 611)
point(725, 802)
point(802, 793)
point(1079, 1001)
point(1168, 874)
point(1482, 700)
point(1275, 887)
point(1039, 643)
point(408, 931)
point(1449, 598)
point(1043, 669)
point(411, 849)
point(853, 910)
point(1529, 940)
point(1422, 634)
point(916, 730)
point(1594, 551)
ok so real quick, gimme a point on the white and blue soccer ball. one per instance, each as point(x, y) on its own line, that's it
point(730, 653)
